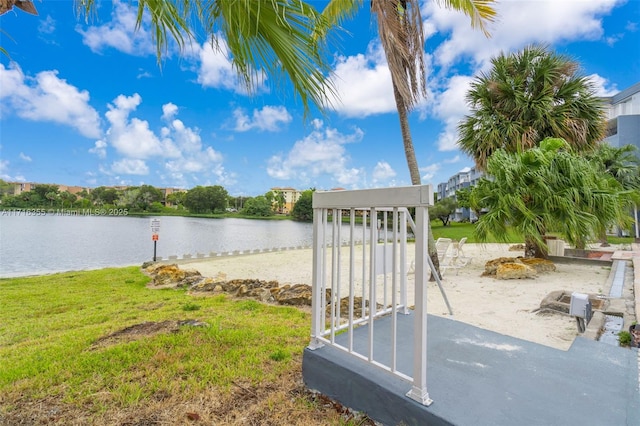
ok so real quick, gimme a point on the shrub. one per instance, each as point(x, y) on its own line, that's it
point(624, 338)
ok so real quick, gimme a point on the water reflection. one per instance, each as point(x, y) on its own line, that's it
point(44, 244)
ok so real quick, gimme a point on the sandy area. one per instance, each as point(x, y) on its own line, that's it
point(503, 306)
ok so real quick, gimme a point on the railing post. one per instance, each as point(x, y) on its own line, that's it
point(317, 278)
point(403, 261)
point(419, 390)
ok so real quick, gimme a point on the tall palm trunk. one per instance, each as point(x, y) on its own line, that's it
point(532, 249)
point(25, 5)
point(414, 170)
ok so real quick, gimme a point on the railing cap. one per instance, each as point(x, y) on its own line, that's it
point(406, 196)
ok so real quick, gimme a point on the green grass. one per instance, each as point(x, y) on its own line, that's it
point(50, 343)
point(458, 230)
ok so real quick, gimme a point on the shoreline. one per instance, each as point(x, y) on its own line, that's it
point(505, 306)
point(509, 307)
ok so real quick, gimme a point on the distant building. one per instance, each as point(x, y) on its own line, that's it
point(465, 178)
point(168, 191)
point(623, 128)
point(623, 118)
point(73, 189)
point(20, 187)
point(291, 196)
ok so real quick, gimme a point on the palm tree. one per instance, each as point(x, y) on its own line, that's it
point(547, 189)
point(526, 97)
point(401, 35)
point(624, 166)
point(277, 36)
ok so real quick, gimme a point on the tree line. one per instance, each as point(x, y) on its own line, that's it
point(201, 200)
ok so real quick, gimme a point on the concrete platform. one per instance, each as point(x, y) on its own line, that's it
point(479, 377)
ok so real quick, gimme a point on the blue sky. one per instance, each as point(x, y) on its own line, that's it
point(86, 103)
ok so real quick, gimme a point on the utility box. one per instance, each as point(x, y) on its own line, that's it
point(556, 247)
point(580, 306)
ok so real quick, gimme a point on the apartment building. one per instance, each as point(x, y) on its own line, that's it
point(623, 128)
point(623, 115)
point(465, 178)
point(168, 191)
point(291, 195)
point(20, 187)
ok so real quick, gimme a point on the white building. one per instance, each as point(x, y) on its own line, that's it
point(623, 115)
point(465, 178)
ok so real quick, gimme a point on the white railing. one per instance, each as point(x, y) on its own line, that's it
point(372, 273)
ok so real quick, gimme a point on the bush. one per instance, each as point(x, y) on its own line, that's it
point(624, 338)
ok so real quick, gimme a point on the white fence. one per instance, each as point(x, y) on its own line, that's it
point(368, 279)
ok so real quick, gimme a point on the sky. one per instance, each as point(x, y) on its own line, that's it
point(86, 103)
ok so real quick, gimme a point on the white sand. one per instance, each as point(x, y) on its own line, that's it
point(504, 306)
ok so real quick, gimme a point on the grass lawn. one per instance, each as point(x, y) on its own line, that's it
point(99, 347)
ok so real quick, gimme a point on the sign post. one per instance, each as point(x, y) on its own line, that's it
point(155, 230)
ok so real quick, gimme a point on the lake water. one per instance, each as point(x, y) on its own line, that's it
point(53, 243)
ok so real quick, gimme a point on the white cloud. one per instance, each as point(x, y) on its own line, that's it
point(216, 70)
point(100, 149)
point(46, 97)
point(453, 160)
point(320, 153)
point(602, 86)
point(177, 148)
point(4, 173)
point(450, 107)
point(364, 84)
point(269, 119)
point(24, 157)
point(427, 173)
point(382, 173)
point(130, 166)
point(131, 137)
point(519, 23)
point(120, 33)
point(143, 74)
point(47, 25)
point(169, 110)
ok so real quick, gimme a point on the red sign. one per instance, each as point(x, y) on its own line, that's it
point(154, 237)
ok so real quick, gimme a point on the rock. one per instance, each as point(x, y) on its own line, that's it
point(492, 265)
point(207, 284)
point(147, 264)
point(540, 265)
point(514, 271)
point(262, 294)
point(154, 266)
point(296, 295)
point(242, 290)
point(172, 276)
point(357, 307)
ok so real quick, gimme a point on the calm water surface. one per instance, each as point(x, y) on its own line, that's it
point(43, 244)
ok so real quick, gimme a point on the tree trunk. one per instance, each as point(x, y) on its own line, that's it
point(414, 171)
point(531, 249)
point(27, 6)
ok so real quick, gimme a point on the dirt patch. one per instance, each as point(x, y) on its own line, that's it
point(559, 301)
point(145, 329)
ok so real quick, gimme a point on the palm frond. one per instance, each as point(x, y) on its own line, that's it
point(481, 12)
point(401, 35)
point(279, 36)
